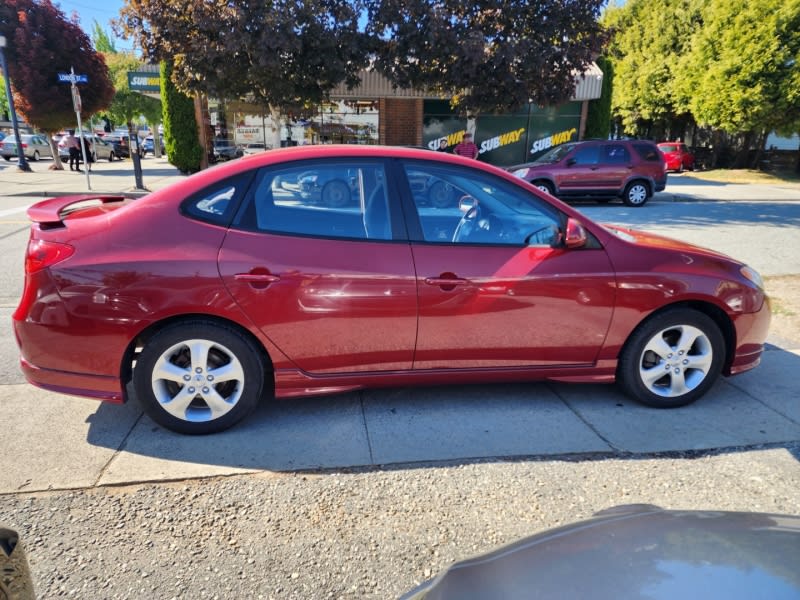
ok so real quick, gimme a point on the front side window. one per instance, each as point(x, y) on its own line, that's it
point(464, 206)
point(327, 199)
point(586, 155)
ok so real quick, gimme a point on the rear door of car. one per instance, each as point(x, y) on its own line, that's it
point(616, 166)
point(333, 288)
point(497, 293)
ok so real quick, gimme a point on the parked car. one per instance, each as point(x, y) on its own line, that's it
point(34, 147)
point(147, 146)
point(677, 156)
point(2, 136)
point(101, 149)
point(279, 296)
point(226, 150)
point(637, 551)
point(255, 148)
point(121, 143)
point(602, 169)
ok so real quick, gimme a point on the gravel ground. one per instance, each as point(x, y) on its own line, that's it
point(372, 534)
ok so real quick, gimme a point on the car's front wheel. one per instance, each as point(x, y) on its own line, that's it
point(110, 157)
point(672, 359)
point(545, 186)
point(35, 156)
point(199, 377)
point(637, 193)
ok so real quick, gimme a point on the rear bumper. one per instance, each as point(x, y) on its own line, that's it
point(98, 387)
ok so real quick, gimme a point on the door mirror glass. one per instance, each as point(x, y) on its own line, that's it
point(575, 236)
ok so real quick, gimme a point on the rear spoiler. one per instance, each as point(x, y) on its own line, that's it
point(49, 211)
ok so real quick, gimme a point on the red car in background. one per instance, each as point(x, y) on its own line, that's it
point(233, 285)
point(677, 156)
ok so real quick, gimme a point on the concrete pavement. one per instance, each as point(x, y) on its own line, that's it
point(105, 177)
point(53, 441)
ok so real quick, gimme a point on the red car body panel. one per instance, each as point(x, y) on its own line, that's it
point(336, 315)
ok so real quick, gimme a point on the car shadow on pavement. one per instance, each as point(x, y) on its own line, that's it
point(373, 429)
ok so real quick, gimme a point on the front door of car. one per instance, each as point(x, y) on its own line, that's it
point(324, 281)
point(494, 289)
point(581, 170)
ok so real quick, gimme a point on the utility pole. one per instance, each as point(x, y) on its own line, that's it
point(22, 164)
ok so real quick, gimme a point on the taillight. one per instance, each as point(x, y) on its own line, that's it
point(24, 145)
point(42, 254)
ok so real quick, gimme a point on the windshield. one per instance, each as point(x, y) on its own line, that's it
point(554, 155)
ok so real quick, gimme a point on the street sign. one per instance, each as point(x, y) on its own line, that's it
point(72, 78)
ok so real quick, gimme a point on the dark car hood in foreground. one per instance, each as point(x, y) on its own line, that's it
point(637, 551)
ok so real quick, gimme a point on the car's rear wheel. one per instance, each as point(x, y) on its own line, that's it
point(637, 193)
point(198, 377)
point(545, 186)
point(110, 157)
point(335, 194)
point(439, 194)
point(672, 359)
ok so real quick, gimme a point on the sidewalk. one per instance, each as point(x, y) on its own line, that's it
point(105, 177)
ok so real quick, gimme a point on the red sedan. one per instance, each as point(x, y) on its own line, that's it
point(232, 285)
point(677, 156)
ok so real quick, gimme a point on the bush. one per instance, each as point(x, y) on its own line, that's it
point(180, 127)
point(598, 118)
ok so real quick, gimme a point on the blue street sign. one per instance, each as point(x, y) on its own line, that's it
point(70, 78)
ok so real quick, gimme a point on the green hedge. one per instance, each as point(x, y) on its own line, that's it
point(180, 127)
point(598, 118)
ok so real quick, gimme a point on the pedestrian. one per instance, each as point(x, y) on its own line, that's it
point(87, 148)
point(442, 145)
point(74, 149)
point(466, 147)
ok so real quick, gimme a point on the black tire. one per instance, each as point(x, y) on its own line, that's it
point(336, 194)
point(235, 397)
point(8, 158)
point(637, 193)
point(687, 370)
point(110, 157)
point(35, 156)
point(545, 186)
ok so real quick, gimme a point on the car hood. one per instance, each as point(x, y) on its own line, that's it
point(638, 551)
point(652, 240)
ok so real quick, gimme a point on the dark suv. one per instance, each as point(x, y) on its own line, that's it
point(631, 169)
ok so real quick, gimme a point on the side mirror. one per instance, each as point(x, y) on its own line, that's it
point(575, 236)
point(571, 162)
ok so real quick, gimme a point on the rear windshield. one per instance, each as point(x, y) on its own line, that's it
point(668, 147)
point(647, 151)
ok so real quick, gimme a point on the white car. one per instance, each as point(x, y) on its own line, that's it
point(99, 148)
point(255, 148)
point(33, 146)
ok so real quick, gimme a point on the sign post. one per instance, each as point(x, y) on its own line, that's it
point(72, 78)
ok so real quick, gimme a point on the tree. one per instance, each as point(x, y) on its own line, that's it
point(42, 44)
point(649, 39)
point(495, 55)
point(102, 41)
point(279, 54)
point(180, 126)
point(743, 72)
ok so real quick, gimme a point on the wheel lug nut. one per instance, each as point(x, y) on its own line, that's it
point(686, 361)
point(191, 390)
point(187, 377)
point(205, 390)
point(210, 378)
point(198, 370)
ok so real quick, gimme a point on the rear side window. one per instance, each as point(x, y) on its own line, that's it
point(616, 154)
point(345, 199)
point(217, 203)
point(647, 151)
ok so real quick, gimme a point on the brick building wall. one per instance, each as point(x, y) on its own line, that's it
point(400, 122)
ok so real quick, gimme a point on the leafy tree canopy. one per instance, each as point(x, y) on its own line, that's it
point(280, 53)
point(102, 41)
point(41, 44)
point(498, 54)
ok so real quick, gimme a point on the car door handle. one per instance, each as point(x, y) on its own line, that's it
point(256, 277)
point(446, 281)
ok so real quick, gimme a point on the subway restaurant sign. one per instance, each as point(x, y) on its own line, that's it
point(504, 140)
point(144, 81)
